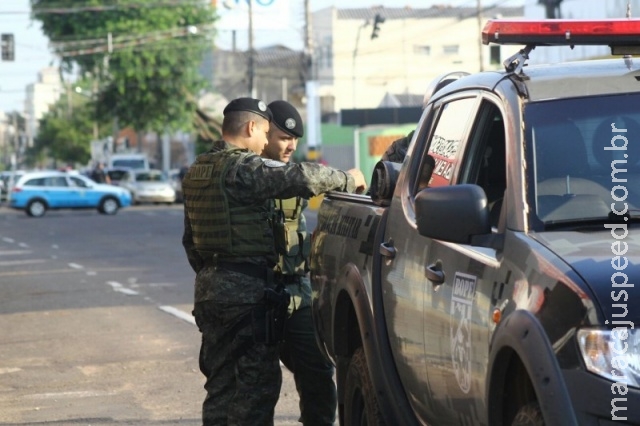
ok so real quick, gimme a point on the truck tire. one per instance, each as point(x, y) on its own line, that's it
point(529, 415)
point(360, 404)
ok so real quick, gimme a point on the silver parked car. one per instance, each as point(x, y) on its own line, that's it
point(148, 186)
point(7, 180)
point(175, 177)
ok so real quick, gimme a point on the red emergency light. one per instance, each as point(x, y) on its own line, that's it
point(623, 33)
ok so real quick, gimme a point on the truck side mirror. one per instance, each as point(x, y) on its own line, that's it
point(452, 213)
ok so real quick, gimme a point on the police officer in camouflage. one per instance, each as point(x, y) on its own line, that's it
point(229, 224)
point(299, 352)
point(398, 149)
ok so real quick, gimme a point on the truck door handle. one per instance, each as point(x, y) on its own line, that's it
point(434, 273)
point(388, 250)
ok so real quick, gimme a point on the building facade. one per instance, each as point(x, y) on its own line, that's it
point(40, 96)
point(278, 73)
point(361, 65)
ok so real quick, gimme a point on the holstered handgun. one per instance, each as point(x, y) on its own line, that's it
point(277, 304)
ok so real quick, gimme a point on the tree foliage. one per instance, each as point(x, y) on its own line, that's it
point(148, 72)
point(65, 132)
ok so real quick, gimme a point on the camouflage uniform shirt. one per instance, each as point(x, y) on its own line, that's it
point(254, 180)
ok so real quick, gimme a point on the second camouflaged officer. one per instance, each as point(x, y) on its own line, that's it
point(398, 149)
point(299, 352)
point(228, 239)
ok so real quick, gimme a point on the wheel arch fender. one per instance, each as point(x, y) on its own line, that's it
point(521, 335)
point(40, 199)
point(110, 196)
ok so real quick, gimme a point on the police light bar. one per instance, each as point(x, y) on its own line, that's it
point(564, 32)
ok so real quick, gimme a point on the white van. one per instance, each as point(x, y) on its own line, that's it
point(133, 161)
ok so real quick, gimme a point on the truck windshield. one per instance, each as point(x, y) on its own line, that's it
point(585, 154)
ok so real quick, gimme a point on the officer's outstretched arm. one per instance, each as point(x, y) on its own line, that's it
point(358, 177)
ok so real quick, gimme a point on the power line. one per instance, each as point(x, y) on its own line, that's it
point(93, 46)
point(107, 8)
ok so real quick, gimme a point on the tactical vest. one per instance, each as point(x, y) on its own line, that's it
point(292, 244)
point(220, 226)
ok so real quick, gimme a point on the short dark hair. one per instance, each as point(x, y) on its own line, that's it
point(233, 121)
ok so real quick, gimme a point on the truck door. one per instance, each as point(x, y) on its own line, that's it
point(458, 315)
point(406, 290)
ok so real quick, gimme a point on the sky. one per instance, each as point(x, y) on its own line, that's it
point(32, 51)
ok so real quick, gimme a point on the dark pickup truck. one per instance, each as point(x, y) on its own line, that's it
point(490, 278)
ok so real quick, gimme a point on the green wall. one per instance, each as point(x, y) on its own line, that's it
point(335, 136)
point(368, 161)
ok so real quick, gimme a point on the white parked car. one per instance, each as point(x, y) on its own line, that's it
point(7, 181)
point(148, 186)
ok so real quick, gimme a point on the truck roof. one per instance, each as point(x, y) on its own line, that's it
point(584, 78)
point(562, 80)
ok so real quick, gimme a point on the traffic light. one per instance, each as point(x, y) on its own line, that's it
point(377, 20)
point(552, 8)
point(8, 47)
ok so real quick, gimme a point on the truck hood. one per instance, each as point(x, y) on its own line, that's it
point(591, 255)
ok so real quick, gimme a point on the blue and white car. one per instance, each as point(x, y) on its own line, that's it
point(37, 192)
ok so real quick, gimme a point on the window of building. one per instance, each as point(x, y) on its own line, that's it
point(324, 58)
point(326, 52)
point(450, 49)
point(328, 56)
point(422, 50)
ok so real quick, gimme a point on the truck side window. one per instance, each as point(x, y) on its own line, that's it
point(446, 142)
point(485, 161)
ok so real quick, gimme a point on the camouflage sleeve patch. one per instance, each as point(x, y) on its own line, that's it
point(273, 163)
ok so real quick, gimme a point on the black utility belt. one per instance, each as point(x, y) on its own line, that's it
point(289, 279)
point(246, 268)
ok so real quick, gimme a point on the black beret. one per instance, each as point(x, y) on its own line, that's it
point(255, 106)
point(287, 118)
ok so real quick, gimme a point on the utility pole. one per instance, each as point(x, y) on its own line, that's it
point(8, 47)
point(308, 42)
point(480, 55)
point(313, 133)
point(16, 144)
point(94, 98)
point(251, 65)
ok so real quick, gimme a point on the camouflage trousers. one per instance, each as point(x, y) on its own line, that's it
point(243, 378)
point(312, 372)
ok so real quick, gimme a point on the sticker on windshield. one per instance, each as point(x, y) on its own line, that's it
point(462, 298)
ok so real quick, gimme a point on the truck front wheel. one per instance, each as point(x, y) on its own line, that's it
point(529, 415)
point(360, 405)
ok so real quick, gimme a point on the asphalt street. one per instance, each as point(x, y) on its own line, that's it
point(96, 324)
